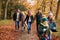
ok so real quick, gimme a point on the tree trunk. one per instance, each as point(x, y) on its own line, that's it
point(6, 9)
point(51, 7)
point(57, 10)
point(43, 6)
point(0, 7)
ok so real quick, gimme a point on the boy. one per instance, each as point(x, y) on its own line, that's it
point(43, 29)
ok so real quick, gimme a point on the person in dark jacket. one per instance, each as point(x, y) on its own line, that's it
point(43, 29)
point(29, 19)
point(38, 17)
point(17, 17)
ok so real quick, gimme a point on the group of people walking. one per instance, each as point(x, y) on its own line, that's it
point(44, 25)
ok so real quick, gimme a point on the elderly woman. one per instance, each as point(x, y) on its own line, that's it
point(52, 24)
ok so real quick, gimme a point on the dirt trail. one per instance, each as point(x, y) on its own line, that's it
point(7, 32)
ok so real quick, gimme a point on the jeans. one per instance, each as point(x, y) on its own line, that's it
point(29, 25)
point(50, 35)
point(16, 25)
point(37, 26)
point(23, 27)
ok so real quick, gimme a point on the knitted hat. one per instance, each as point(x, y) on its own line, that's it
point(44, 19)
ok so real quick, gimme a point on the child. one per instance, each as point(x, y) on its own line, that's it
point(44, 28)
point(23, 18)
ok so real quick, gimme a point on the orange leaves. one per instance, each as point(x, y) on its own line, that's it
point(26, 4)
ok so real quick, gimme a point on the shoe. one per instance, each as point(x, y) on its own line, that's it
point(22, 29)
point(28, 31)
point(54, 31)
point(16, 30)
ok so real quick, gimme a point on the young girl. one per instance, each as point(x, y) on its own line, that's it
point(23, 18)
point(29, 19)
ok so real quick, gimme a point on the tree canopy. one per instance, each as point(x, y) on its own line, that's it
point(20, 6)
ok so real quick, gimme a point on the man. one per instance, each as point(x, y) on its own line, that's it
point(38, 18)
point(17, 17)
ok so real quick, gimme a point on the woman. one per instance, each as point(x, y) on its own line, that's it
point(52, 24)
point(29, 19)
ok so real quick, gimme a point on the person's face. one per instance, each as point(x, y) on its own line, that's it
point(51, 16)
point(39, 11)
point(18, 10)
point(29, 13)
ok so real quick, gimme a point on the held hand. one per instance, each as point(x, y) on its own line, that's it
point(44, 30)
point(25, 23)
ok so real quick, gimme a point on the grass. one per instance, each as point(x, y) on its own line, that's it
point(5, 22)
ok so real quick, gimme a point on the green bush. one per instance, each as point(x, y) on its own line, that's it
point(59, 1)
point(20, 6)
